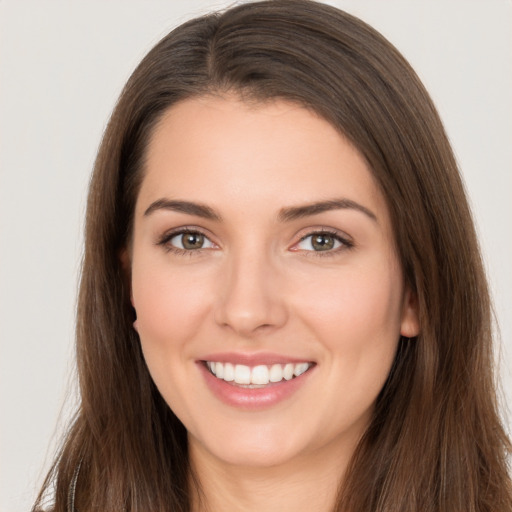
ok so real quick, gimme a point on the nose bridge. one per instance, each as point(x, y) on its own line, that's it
point(250, 299)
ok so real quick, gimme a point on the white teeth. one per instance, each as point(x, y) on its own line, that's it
point(219, 370)
point(229, 372)
point(300, 369)
point(242, 374)
point(276, 373)
point(288, 371)
point(260, 375)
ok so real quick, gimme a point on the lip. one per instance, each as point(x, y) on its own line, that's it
point(253, 399)
point(255, 359)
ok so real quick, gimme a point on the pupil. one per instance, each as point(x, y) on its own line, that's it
point(193, 241)
point(323, 242)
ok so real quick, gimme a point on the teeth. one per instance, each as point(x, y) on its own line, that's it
point(242, 374)
point(229, 372)
point(299, 369)
point(288, 371)
point(276, 373)
point(260, 375)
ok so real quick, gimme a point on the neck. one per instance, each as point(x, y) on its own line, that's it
point(304, 484)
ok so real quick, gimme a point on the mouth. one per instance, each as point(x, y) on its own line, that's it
point(259, 376)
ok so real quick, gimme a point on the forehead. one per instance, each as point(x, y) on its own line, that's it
point(223, 151)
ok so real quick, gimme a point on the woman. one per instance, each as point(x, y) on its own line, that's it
point(282, 302)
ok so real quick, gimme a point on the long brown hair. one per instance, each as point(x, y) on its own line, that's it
point(435, 443)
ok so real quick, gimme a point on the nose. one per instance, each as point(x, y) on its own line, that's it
point(251, 300)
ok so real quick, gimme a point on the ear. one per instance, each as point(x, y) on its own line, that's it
point(126, 265)
point(410, 323)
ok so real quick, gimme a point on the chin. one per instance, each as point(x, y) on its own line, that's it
point(255, 449)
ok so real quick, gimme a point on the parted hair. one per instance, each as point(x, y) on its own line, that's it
point(435, 442)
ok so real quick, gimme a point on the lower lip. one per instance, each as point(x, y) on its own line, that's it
point(253, 398)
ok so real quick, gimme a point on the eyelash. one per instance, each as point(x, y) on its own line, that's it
point(166, 238)
point(345, 243)
point(164, 241)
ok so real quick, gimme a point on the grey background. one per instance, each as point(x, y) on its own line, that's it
point(62, 66)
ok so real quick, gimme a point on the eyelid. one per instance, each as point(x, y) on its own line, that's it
point(345, 240)
point(167, 236)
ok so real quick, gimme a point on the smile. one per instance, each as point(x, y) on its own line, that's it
point(260, 375)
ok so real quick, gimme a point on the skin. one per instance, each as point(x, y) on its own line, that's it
point(257, 285)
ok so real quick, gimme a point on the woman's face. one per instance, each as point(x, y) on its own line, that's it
point(263, 252)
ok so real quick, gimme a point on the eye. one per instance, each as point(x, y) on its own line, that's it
point(189, 241)
point(322, 242)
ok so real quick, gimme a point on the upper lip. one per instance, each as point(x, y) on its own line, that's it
point(254, 359)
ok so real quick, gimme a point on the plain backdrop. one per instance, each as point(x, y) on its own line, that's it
point(62, 65)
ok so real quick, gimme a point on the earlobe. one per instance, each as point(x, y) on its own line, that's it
point(126, 265)
point(410, 324)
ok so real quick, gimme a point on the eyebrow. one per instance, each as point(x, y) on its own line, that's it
point(188, 207)
point(298, 212)
point(285, 214)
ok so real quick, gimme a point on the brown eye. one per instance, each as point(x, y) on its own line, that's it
point(321, 242)
point(190, 241)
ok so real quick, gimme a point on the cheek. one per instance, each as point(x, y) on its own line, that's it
point(356, 315)
point(170, 310)
point(168, 306)
point(356, 318)
point(356, 300)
